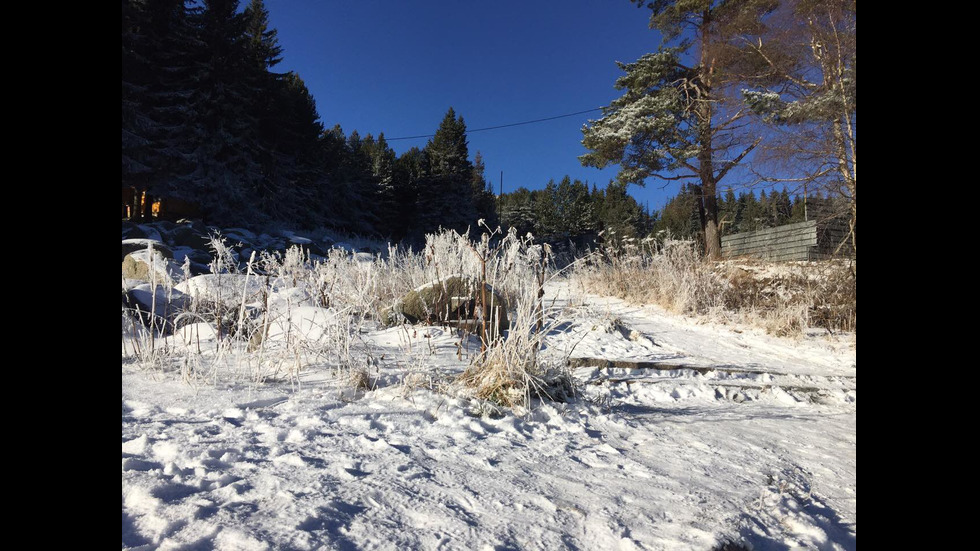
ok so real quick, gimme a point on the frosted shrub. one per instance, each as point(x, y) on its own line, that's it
point(669, 273)
point(281, 313)
point(787, 298)
point(783, 298)
point(509, 371)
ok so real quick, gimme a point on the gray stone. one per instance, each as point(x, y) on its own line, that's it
point(133, 245)
point(450, 301)
point(138, 265)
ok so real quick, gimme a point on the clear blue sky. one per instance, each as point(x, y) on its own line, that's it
point(397, 66)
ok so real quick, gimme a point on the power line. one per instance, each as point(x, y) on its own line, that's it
point(468, 131)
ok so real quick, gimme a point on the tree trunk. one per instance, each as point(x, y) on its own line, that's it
point(136, 210)
point(147, 214)
point(712, 237)
point(709, 193)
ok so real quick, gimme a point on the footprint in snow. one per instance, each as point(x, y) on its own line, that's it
point(173, 492)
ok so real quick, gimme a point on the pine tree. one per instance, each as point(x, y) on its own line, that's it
point(546, 215)
point(409, 170)
point(517, 211)
point(160, 73)
point(680, 217)
point(386, 205)
point(798, 214)
point(782, 206)
point(445, 196)
point(483, 198)
point(751, 214)
point(727, 211)
point(620, 214)
point(225, 149)
point(672, 122)
point(263, 43)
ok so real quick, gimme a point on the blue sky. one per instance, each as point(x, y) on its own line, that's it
point(397, 66)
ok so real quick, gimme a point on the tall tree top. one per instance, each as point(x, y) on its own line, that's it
point(448, 150)
point(262, 40)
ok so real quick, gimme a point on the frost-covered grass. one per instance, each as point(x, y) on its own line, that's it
point(266, 407)
point(782, 298)
point(277, 314)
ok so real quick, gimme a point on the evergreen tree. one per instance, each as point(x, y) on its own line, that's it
point(767, 220)
point(672, 122)
point(727, 212)
point(546, 215)
point(517, 211)
point(409, 170)
point(782, 207)
point(798, 214)
point(205, 120)
point(160, 73)
point(751, 215)
point(621, 216)
point(225, 149)
point(445, 197)
point(386, 204)
point(483, 197)
point(680, 217)
point(262, 41)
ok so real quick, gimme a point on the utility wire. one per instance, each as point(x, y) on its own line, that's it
point(468, 131)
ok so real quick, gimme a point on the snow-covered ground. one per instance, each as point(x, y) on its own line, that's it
point(683, 436)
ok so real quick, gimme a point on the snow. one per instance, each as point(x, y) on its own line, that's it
point(717, 432)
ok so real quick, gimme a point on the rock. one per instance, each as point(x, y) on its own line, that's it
point(134, 231)
point(149, 232)
point(308, 245)
point(155, 308)
point(227, 289)
point(241, 232)
point(128, 228)
point(139, 265)
point(164, 226)
point(450, 301)
point(133, 245)
point(200, 260)
point(186, 235)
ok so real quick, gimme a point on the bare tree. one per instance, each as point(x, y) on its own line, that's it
point(804, 72)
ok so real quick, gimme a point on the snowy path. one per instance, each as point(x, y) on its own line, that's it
point(648, 459)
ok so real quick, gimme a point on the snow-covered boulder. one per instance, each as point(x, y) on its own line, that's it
point(133, 245)
point(190, 235)
point(156, 267)
point(450, 301)
point(226, 289)
point(157, 306)
point(308, 324)
point(149, 232)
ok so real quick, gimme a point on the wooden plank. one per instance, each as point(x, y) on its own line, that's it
point(769, 234)
point(800, 241)
point(800, 253)
point(773, 239)
point(808, 240)
point(763, 237)
point(772, 247)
